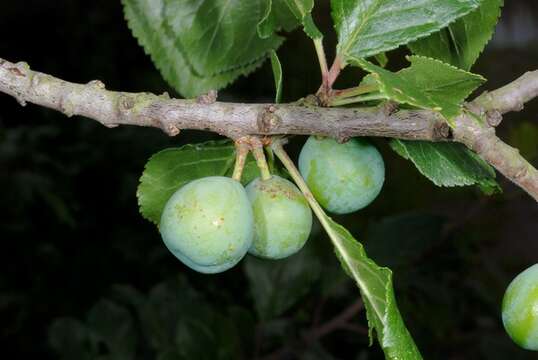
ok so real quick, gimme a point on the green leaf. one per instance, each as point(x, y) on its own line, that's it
point(310, 28)
point(170, 169)
point(216, 36)
point(180, 324)
point(375, 284)
point(302, 9)
point(207, 334)
point(167, 306)
point(382, 59)
point(277, 73)
point(462, 42)
point(428, 84)
point(368, 27)
point(448, 164)
point(277, 16)
point(146, 21)
point(278, 285)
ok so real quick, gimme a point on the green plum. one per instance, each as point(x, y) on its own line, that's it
point(282, 218)
point(343, 177)
point(520, 309)
point(208, 224)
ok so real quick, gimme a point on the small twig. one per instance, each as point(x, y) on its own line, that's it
point(324, 93)
point(339, 322)
point(334, 71)
point(335, 323)
point(511, 97)
point(480, 137)
point(318, 311)
point(361, 330)
point(234, 120)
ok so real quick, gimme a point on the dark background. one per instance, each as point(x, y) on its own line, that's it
point(70, 228)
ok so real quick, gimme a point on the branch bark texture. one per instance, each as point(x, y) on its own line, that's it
point(233, 120)
point(513, 96)
point(236, 120)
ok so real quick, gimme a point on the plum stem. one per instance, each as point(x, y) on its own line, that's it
point(241, 152)
point(259, 155)
point(234, 120)
point(278, 148)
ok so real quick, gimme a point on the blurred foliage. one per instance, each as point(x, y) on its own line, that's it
point(71, 231)
point(197, 318)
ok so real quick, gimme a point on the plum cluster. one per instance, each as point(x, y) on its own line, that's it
point(211, 223)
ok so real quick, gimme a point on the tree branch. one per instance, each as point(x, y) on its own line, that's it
point(481, 138)
point(235, 120)
point(338, 322)
point(341, 321)
point(511, 97)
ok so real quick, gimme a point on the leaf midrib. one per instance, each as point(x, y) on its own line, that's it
point(341, 249)
point(217, 25)
point(364, 20)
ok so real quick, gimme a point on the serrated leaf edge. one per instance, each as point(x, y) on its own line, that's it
point(241, 71)
point(488, 40)
point(492, 34)
point(419, 168)
point(383, 87)
point(345, 57)
point(179, 46)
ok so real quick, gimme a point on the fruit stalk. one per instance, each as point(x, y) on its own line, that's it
point(298, 179)
point(241, 152)
point(111, 108)
point(257, 151)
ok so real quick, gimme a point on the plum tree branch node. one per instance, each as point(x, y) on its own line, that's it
point(237, 120)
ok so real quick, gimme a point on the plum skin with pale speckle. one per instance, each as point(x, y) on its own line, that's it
point(208, 224)
point(282, 218)
point(520, 309)
point(343, 177)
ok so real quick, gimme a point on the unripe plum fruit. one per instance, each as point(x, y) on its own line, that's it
point(520, 309)
point(282, 218)
point(343, 177)
point(208, 224)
